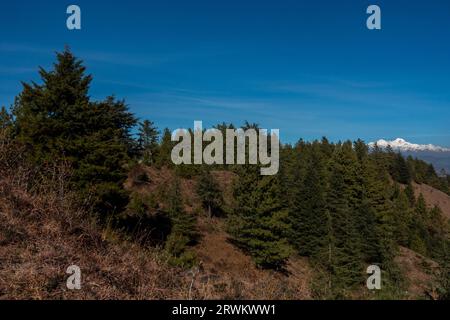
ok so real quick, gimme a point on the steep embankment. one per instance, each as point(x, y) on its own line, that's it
point(41, 235)
point(434, 197)
point(418, 272)
point(226, 272)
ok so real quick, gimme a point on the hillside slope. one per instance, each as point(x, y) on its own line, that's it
point(434, 197)
point(227, 272)
point(418, 272)
point(41, 235)
point(223, 270)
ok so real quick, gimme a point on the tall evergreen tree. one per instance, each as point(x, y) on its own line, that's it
point(57, 121)
point(419, 236)
point(209, 193)
point(379, 192)
point(259, 224)
point(363, 207)
point(403, 216)
point(165, 149)
point(308, 214)
point(344, 260)
point(183, 232)
point(409, 192)
point(148, 141)
point(444, 274)
point(401, 171)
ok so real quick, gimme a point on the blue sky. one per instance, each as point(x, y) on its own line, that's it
point(309, 68)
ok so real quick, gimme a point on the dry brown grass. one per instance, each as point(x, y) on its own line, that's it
point(420, 273)
point(42, 233)
point(226, 272)
point(434, 197)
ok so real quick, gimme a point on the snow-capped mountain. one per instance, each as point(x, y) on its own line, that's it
point(400, 144)
point(436, 155)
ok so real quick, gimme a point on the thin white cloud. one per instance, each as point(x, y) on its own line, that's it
point(95, 56)
point(142, 60)
point(23, 48)
point(16, 70)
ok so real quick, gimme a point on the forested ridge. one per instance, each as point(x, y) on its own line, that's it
point(340, 204)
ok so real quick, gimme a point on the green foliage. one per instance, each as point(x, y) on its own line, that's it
point(344, 247)
point(183, 232)
point(345, 213)
point(444, 275)
point(142, 178)
point(401, 172)
point(419, 233)
point(57, 121)
point(409, 192)
point(144, 221)
point(259, 223)
point(336, 204)
point(176, 245)
point(165, 149)
point(209, 193)
point(403, 217)
point(422, 172)
point(308, 211)
point(148, 142)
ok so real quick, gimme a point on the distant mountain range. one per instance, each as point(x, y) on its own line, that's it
point(400, 144)
point(438, 156)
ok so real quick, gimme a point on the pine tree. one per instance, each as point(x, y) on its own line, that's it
point(444, 274)
point(419, 236)
point(438, 232)
point(308, 214)
point(409, 192)
point(209, 193)
point(401, 170)
point(421, 209)
point(403, 216)
point(379, 194)
point(165, 149)
point(183, 232)
point(344, 260)
point(182, 222)
point(148, 141)
point(259, 223)
point(377, 216)
point(364, 187)
point(56, 121)
point(50, 115)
